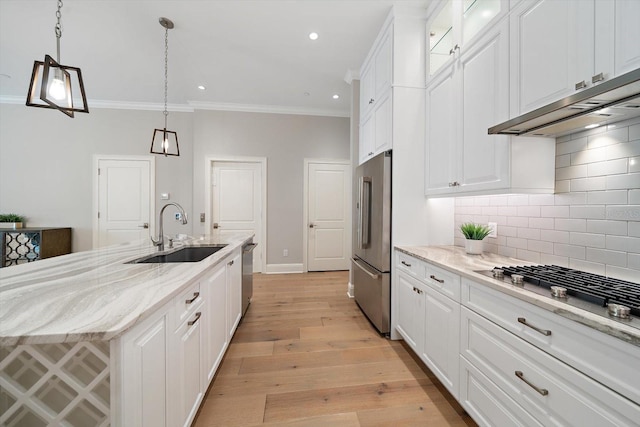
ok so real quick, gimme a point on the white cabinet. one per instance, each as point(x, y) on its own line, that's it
point(215, 332)
point(142, 373)
point(234, 291)
point(429, 316)
point(465, 99)
point(375, 99)
point(454, 27)
point(559, 47)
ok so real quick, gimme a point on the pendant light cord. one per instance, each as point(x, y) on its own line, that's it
point(166, 73)
point(58, 28)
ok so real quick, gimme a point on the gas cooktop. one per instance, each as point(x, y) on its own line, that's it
point(615, 298)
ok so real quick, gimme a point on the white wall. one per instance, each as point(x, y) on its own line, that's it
point(592, 223)
point(285, 140)
point(46, 162)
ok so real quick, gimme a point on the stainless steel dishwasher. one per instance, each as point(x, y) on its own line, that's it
point(247, 275)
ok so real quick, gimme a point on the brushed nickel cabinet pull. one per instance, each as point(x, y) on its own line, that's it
point(597, 78)
point(405, 263)
point(436, 279)
point(230, 263)
point(542, 391)
point(195, 297)
point(581, 85)
point(194, 321)
point(545, 332)
point(371, 101)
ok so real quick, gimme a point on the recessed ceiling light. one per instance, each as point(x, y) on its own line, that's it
point(313, 36)
point(595, 125)
point(201, 87)
point(336, 96)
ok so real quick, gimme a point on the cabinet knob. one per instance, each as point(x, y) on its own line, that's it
point(597, 78)
point(581, 85)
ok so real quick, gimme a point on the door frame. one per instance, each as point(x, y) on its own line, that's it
point(305, 207)
point(208, 168)
point(96, 190)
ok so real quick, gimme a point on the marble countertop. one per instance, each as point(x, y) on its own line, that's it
point(454, 259)
point(95, 295)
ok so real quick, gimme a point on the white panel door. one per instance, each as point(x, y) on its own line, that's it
point(237, 202)
point(124, 200)
point(328, 216)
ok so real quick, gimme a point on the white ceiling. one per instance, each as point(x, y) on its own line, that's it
point(246, 52)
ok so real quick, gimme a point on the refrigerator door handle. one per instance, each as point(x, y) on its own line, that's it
point(365, 211)
point(365, 269)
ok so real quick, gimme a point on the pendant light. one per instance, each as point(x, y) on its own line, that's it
point(164, 141)
point(54, 82)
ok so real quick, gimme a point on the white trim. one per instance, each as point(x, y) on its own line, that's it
point(116, 105)
point(350, 290)
point(305, 204)
point(283, 268)
point(96, 190)
point(351, 75)
point(208, 167)
point(273, 109)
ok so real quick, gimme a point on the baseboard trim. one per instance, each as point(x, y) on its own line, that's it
point(284, 268)
point(350, 293)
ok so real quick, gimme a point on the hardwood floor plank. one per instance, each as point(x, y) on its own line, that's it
point(238, 411)
point(349, 419)
point(303, 346)
point(432, 414)
point(250, 349)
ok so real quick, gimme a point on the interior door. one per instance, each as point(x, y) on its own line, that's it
point(237, 202)
point(124, 200)
point(328, 234)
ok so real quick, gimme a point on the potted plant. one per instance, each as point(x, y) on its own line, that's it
point(474, 233)
point(11, 221)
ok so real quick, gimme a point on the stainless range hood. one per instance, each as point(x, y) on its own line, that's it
point(609, 102)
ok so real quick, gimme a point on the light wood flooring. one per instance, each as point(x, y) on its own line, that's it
point(305, 355)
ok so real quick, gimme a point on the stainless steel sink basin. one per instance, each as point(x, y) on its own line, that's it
point(186, 254)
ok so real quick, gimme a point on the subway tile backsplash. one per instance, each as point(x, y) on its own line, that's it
point(591, 223)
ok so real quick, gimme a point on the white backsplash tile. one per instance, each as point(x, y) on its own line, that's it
point(591, 223)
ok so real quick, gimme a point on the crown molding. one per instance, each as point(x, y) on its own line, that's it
point(191, 106)
point(273, 109)
point(351, 75)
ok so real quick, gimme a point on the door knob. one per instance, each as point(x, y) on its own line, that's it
point(145, 225)
point(216, 226)
point(311, 225)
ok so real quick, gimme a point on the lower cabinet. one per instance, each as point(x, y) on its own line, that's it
point(410, 294)
point(165, 364)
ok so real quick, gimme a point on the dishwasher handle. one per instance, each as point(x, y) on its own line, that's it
point(249, 247)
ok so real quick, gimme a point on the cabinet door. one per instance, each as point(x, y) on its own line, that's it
point(410, 311)
point(485, 98)
point(383, 64)
point(144, 380)
point(367, 90)
point(188, 376)
point(441, 38)
point(367, 134)
point(627, 36)
point(552, 49)
point(383, 122)
point(441, 135)
point(234, 286)
point(215, 338)
point(441, 338)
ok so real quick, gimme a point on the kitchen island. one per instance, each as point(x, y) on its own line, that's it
point(92, 339)
point(512, 354)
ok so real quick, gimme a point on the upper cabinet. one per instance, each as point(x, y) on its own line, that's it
point(560, 47)
point(375, 98)
point(454, 27)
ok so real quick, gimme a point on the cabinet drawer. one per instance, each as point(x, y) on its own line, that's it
point(411, 265)
point(602, 357)
point(486, 403)
point(187, 303)
point(553, 392)
point(444, 281)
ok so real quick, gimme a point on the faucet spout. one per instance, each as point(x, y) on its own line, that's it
point(160, 242)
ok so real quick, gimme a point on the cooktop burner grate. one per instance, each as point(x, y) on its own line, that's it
point(590, 287)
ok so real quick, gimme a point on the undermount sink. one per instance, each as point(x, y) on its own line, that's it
point(186, 254)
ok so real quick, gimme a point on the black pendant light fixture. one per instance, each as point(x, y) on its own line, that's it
point(53, 84)
point(165, 141)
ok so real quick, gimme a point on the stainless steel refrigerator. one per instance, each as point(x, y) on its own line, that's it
point(371, 261)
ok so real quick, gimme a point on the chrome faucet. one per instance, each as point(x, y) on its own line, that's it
point(160, 242)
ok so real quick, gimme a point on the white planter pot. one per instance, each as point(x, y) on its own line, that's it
point(10, 225)
point(473, 247)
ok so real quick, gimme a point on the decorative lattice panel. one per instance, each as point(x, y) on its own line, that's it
point(55, 385)
point(21, 247)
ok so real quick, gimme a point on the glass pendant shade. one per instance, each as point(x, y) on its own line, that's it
point(165, 142)
point(53, 85)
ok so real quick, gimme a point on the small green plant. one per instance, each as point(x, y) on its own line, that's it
point(473, 231)
point(11, 218)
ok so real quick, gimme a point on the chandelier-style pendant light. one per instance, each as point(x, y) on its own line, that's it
point(56, 83)
point(165, 141)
